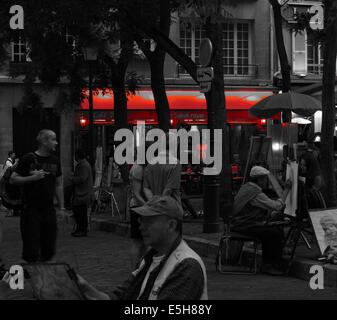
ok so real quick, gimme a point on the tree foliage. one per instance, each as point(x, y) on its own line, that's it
point(56, 32)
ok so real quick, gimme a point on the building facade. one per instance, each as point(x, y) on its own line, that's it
point(250, 73)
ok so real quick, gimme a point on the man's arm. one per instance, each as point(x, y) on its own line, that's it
point(264, 202)
point(19, 180)
point(148, 193)
point(90, 292)
point(146, 184)
point(185, 283)
point(173, 182)
point(137, 190)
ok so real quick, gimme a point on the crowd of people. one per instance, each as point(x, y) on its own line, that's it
point(164, 266)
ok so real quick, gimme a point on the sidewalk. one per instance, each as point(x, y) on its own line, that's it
point(206, 245)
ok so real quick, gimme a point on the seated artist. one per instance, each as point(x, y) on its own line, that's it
point(252, 210)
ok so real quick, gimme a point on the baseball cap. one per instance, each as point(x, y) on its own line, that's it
point(258, 171)
point(161, 205)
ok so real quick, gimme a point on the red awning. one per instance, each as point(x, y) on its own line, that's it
point(185, 105)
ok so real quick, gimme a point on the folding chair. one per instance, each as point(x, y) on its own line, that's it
point(230, 253)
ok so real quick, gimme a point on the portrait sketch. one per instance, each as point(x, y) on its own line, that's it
point(325, 227)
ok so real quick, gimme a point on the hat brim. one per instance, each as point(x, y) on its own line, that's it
point(146, 211)
point(260, 175)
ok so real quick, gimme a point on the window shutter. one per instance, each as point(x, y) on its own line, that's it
point(299, 53)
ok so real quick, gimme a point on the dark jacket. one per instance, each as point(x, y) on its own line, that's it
point(83, 183)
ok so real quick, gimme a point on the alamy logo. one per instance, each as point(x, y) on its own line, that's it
point(163, 147)
point(16, 277)
point(317, 280)
point(17, 19)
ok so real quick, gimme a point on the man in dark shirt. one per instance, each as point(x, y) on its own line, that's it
point(83, 193)
point(39, 174)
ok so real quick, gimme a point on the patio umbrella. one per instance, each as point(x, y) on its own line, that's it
point(299, 103)
point(300, 120)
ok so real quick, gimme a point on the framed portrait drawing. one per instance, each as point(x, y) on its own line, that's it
point(324, 222)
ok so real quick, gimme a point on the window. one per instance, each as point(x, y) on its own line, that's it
point(19, 51)
point(314, 57)
point(307, 55)
point(235, 42)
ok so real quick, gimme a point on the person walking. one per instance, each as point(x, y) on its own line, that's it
point(83, 193)
point(40, 175)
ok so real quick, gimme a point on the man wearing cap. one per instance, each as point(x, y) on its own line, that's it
point(252, 209)
point(170, 270)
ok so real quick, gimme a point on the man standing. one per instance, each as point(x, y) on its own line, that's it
point(163, 178)
point(10, 160)
point(83, 193)
point(170, 270)
point(40, 173)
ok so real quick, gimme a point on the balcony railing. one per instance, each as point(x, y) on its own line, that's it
point(316, 69)
point(232, 70)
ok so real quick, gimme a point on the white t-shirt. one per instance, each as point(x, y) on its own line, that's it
point(9, 163)
point(155, 263)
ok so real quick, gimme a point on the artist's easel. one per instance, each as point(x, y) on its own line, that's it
point(258, 153)
point(299, 227)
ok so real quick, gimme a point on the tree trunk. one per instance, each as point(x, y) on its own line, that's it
point(159, 92)
point(120, 107)
point(282, 53)
point(328, 103)
point(156, 60)
point(120, 98)
point(166, 43)
point(217, 188)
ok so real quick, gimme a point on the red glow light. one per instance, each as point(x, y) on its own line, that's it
point(83, 122)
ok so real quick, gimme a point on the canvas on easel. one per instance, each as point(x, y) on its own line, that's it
point(291, 201)
point(258, 153)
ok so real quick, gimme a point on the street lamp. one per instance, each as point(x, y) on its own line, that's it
point(90, 56)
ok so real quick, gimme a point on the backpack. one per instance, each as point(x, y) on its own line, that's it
point(10, 194)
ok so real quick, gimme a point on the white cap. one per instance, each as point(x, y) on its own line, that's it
point(258, 171)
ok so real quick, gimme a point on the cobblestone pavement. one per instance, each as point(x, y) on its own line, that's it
point(102, 258)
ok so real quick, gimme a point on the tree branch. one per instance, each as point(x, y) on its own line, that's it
point(168, 45)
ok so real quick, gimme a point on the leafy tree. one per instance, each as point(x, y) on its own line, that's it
point(56, 57)
point(211, 14)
